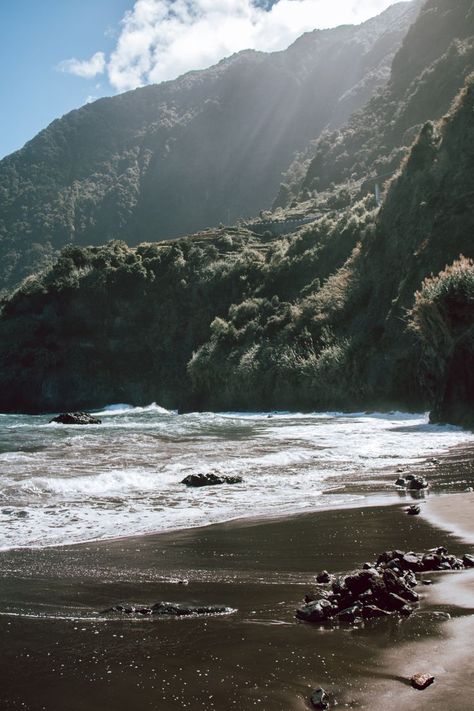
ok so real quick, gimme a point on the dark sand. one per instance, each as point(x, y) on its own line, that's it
point(58, 655)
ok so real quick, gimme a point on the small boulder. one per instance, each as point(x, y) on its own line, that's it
point(401, 481)
point(398, 586)
point(360, 581)
point(417, 483)
point(324, 577)
point(468, 560)
point(320, 699)
point(413, 562)
point(413, 510)
point(315, 595)
point(198, 480)
point(178, 610)
point(350, 614)
point(76, 418)
point(394, 602)
point(421, 681)
point(317, 611)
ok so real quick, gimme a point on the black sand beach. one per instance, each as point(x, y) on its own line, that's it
point(58, 653)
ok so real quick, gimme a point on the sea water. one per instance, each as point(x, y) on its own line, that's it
point(64, 484)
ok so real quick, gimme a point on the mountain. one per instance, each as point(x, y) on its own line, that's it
point(367, 306)
point(170, 159)
point(436, 56)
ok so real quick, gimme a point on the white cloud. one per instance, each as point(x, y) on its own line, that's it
point(161, 39)
point(87, 68)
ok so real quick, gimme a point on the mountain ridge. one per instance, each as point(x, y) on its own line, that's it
point(169, 159)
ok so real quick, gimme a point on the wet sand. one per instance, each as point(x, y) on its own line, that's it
point(453, 513)
point(58, 654)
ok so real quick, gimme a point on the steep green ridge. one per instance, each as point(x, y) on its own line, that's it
point(166, 160)
point(430, 68)
point(364, 307)
point(317, 319)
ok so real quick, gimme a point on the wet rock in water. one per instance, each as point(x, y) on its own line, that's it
point(360, 581)
point(198, 480)
point(468, 560)
point(413, 562)
point(76, 418)
point(319, 699)
point(417, 483)
point(393, 602)
point(410, 579)
point(401, 481)
point(406, 611)
point(179, 610)
point(413, 510)
point(398, 586)
point(317, 611)
point(324, 577)
point(431, 561)
point(388, 556)
point(427, 582)
point(171, 609)
point(421, 681)
point(318, 594)
point(350, 614)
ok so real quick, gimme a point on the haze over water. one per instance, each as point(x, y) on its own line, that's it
point(67, 484)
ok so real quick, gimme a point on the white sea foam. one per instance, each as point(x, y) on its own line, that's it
point(68, 484)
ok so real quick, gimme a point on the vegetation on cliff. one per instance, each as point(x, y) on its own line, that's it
point(366, 306)
point(170, 159)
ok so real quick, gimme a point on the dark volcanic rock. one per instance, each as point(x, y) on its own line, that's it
point(361, 581)
point(350, 614)
point(421, 681)
point(413, 562)
point(417, 483)
point(198, 480)
point(171, 609)
point(468, 560)
point(76, 418)
point(413, 510)
point(320, 699)
point(317, 594)
point(317, 611)
point(379, 590)
point(324, 577)
point(398, 586)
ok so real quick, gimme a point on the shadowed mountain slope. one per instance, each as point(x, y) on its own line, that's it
point(170, 159)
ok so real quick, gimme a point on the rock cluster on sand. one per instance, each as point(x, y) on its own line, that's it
point(76, 418)
point(412, 482)
point(172, 609)
point(379, 589)
point(210, 480)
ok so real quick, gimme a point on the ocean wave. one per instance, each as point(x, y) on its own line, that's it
point(125, 409)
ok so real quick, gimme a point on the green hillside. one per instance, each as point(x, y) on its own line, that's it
point(205, 149)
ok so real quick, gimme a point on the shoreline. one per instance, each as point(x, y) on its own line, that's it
point(258, 656)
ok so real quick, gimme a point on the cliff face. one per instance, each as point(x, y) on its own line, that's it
point(429, 69)
point(170, 159)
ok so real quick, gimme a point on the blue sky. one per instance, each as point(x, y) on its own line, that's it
point(35, 35)
point(55, 55)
